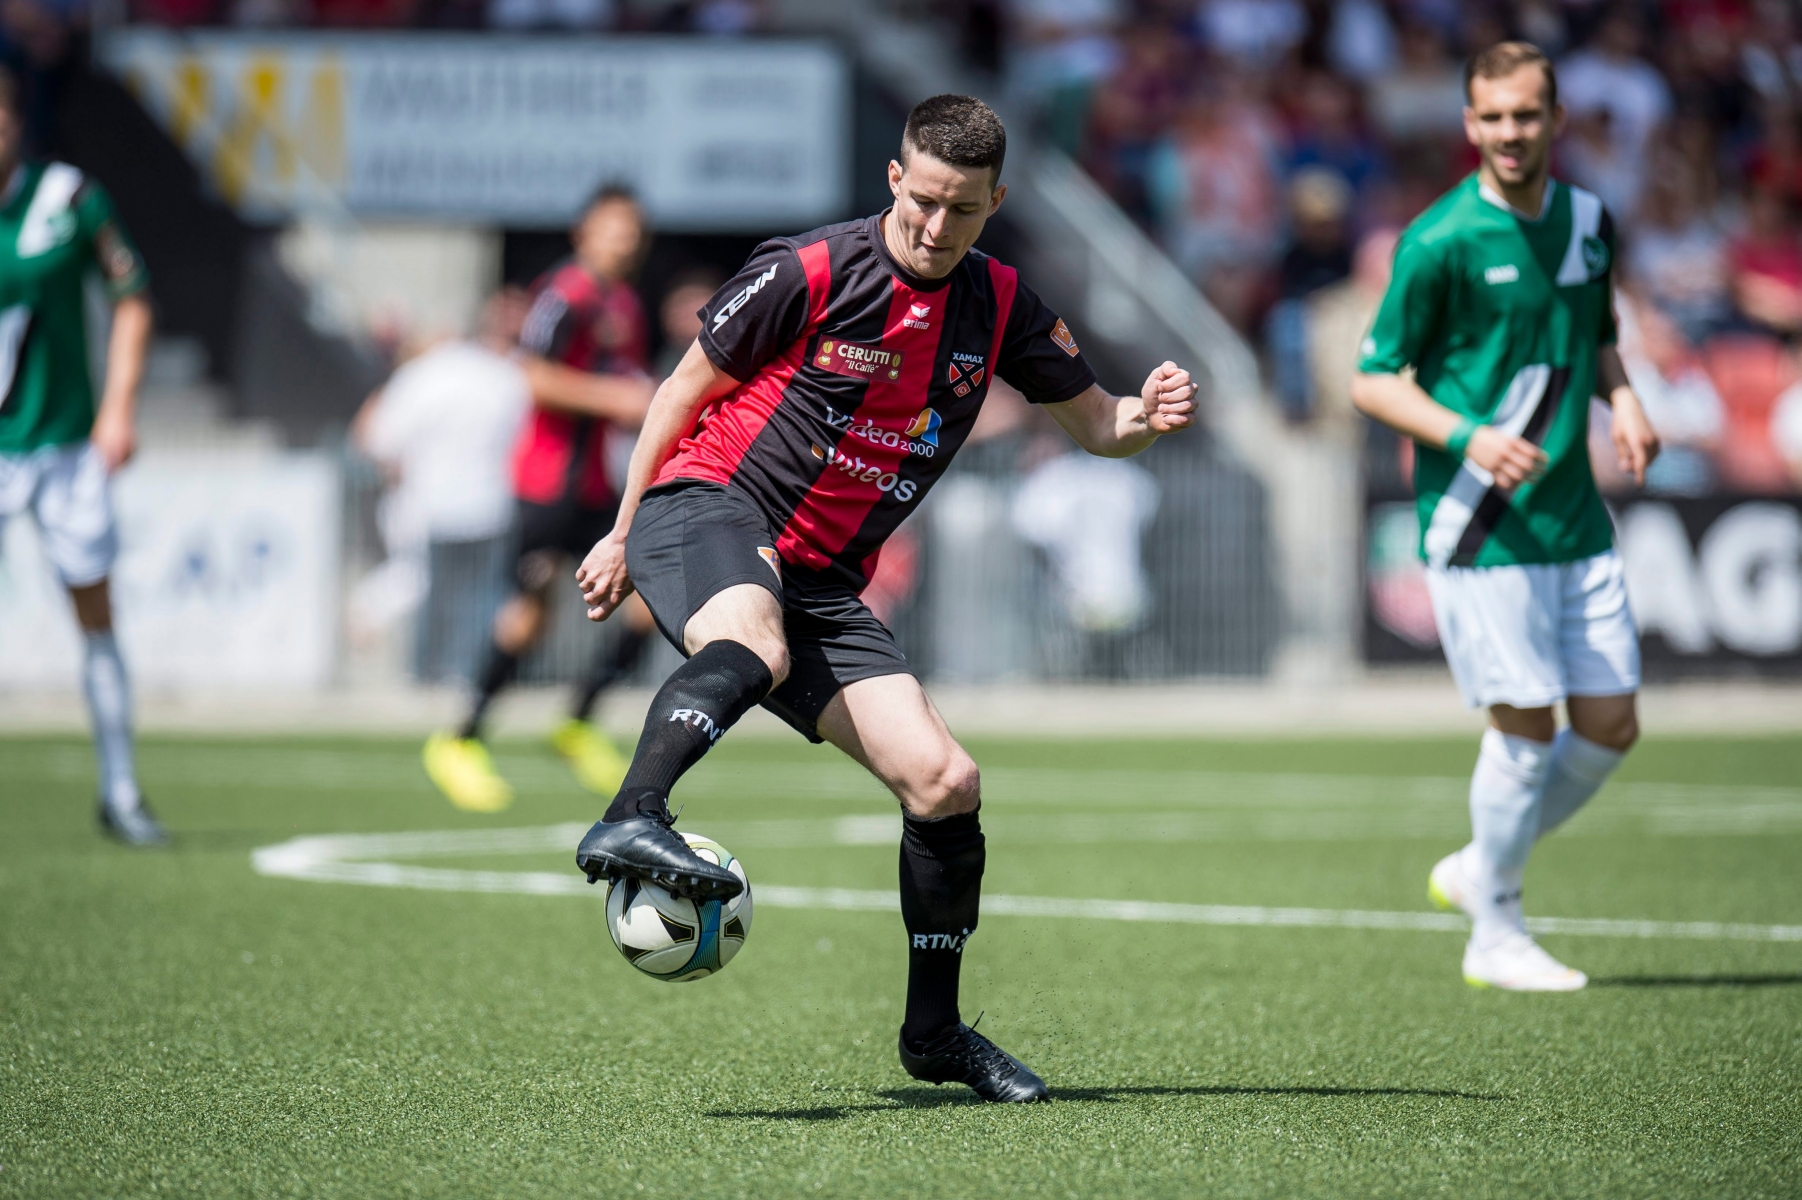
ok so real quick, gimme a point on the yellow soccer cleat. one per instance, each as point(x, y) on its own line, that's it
point(593, 760)
point(465, 774)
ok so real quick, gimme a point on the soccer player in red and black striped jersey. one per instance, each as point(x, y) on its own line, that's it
point(833, 382)
point(584, 348)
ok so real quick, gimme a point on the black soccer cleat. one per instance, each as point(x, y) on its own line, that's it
point(134, 827)
point(961, 1055)
point(647, 849)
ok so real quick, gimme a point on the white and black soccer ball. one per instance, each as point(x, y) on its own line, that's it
point(673, 938)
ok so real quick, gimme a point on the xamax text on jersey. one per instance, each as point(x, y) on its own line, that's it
point(1502, 317)
point(859, 381)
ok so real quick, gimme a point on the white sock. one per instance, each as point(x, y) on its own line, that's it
point(1579, 767)
point(1505, 792)
point(108, 692)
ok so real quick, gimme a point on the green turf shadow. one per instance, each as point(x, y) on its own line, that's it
point(1697, 981)
point(921, 1097)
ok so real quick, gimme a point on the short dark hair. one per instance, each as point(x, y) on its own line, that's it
point(960, 130)
point(607, 193)
point(1505, 58)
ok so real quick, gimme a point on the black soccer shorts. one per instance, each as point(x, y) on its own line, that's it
point(545, 533)
point(691, 541)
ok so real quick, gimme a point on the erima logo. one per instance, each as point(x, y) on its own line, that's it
point(737, 302)
point(916, 316)
point(1505, 274)
point(953, 942)
point(700, 720)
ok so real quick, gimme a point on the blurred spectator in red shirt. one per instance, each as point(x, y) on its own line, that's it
point(1765, 263)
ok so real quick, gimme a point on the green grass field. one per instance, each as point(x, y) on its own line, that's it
point(176, 1024)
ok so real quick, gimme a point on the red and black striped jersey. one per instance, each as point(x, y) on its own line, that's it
point(859, 381)
point(591, 325)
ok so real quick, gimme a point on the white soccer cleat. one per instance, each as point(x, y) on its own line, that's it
point(1448, 887)
point(1517, 963)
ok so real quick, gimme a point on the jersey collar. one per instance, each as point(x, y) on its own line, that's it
point(1490, 196)
point(873, 227)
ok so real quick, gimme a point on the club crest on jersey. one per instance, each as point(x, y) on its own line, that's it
point(858, 361)
point(1062, 338)
point(1595, 257)
point(916, 316)
point(965, 373)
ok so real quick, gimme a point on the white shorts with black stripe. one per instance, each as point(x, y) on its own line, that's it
point(1531, 635)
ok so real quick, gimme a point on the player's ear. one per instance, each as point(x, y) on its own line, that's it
point(895, 171)
point(1470, 126)
point(1559, 115)
point(996, 199)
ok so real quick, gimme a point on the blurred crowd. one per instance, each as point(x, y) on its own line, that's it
point(720, 17)
point(1274, 147)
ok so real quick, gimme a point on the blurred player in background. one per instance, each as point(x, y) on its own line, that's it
point(1501, 305)
point(834, 380)
point(57, 450)
point(441, 429)
point(583, 348)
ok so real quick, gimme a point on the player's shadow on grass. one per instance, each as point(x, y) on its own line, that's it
point(1697, 981)
point(922, 1097)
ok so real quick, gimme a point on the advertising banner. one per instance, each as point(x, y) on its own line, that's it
point(227, 576)
point(1715, 584)
point(713, 135)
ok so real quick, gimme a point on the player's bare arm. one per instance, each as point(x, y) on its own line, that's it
point(1404, 406)
point(692, 386)
point(1120, 426)
point(1635, 441)
point(622, 399)
point(115, 432)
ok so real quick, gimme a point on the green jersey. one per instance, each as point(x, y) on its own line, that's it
point(1502, 318)
point(56, 226)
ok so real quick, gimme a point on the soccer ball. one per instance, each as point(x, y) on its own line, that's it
point(672, 938)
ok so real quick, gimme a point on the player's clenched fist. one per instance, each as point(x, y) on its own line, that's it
point(602, 575)
point(1169, 396)
point(1512, 460)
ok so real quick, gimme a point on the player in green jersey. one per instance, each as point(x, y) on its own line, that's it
point(1501, 308)
point(57, 448)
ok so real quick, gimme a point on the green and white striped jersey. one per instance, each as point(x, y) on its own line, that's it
point(1501, 317)
point(56, 226)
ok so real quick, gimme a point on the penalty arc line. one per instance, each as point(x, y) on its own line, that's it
point(347, 858)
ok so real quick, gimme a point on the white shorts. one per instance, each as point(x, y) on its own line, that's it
point(1528, 636)
point(68, 491)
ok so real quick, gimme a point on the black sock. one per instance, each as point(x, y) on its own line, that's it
point(696, 705)
point(497, 673)
point(941, 892)
point(611, 665)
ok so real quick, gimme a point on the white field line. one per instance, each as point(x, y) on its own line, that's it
point(354, 858)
